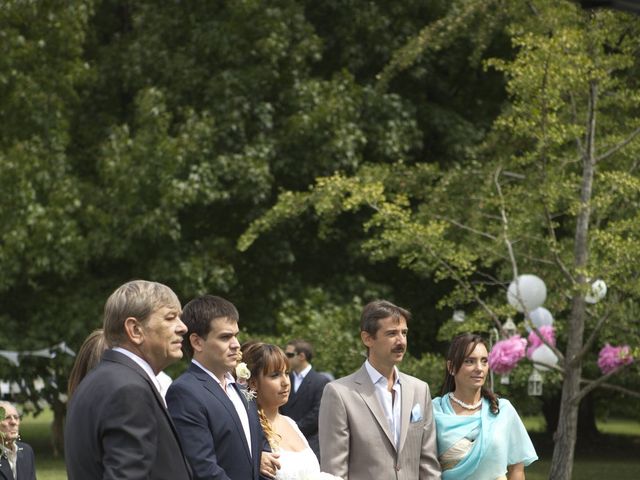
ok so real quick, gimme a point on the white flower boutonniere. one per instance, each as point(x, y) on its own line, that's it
point(242, 375)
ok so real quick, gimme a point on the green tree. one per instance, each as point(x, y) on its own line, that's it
point(550, 190)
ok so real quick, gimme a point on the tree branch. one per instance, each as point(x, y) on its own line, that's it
point(592, 338)
point(616, 388)
point(466, 227)
point(620, 145)
point(593, 384)
point(552, 233)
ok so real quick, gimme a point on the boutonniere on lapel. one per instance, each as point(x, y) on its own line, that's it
point(416, 413)
point(243, 374)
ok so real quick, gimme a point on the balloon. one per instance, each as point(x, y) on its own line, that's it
point(544, 354)
point(598, 292)
point(533, 293)
point(541, 317)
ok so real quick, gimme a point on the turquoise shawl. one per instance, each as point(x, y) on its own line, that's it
point(499, 440)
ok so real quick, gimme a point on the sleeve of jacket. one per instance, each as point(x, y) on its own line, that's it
point(192, 424)
point(334, 433)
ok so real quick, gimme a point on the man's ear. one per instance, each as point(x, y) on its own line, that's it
point(366, 338)
point(133, 329)
point(196, 342)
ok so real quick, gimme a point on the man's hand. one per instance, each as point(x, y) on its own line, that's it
point(269, 464)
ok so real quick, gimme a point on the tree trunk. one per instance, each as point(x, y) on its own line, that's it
point(565, 436)
point(587, 428)
point(57, 427)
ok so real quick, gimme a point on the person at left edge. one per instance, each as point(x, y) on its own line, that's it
point(117, 424)
point(218, 428)
point(17, 461)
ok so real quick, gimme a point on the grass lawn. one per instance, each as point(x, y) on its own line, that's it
point(614, 457)
point(611, 457)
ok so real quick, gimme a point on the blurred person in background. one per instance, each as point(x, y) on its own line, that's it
point(307, 385)
point(17, 461)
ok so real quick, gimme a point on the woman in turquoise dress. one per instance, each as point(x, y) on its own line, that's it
point(480, 437)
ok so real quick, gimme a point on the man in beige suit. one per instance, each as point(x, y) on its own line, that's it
point(377, 423)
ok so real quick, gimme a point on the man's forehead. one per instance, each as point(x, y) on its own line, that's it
point(9, 409)
point(393, 323)
point(169, 309)
point(224, 325)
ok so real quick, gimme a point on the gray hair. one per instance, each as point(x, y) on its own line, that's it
point(137, 299)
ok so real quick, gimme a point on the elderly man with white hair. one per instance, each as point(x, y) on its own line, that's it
point(17, 461)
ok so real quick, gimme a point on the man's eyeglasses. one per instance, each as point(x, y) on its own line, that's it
point(290, 354)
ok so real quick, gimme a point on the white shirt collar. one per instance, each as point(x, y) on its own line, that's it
point(227, 376)
point(143, 364)
point(375, 375)
point(304, 372)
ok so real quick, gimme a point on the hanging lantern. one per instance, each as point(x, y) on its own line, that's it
point(534, 386)
point(527, 292)
point(544, 357)
point(458, 316)
point(509, 327)
point(541, 317)
point(597, 293)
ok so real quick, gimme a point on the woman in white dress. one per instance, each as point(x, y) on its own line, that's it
point(269, 380)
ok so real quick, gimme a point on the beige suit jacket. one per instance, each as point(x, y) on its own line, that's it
point(356, 442)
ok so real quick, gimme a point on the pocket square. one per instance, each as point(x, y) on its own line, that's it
point(416, 413)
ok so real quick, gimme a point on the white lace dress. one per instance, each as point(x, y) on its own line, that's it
point(297, 465)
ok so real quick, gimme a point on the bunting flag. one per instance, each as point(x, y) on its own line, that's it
point(50, 352)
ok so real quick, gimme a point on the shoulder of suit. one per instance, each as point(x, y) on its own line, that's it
point(24, 446)
point(347, 380)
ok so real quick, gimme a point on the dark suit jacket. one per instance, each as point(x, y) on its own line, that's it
point(303, 406)
point(26, 464)
point(118, 427)
point(210, 430)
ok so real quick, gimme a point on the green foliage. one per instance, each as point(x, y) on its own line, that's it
point(331, 326)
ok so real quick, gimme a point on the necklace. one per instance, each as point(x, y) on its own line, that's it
point(474, 406)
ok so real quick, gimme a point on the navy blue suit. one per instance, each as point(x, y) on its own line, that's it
point(210, 430)
point(303, 406)
point(25, 464)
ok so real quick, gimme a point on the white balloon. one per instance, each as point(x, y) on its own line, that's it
point(532, 290)
point(545, 355)
point(541, 317)
point(598, 292)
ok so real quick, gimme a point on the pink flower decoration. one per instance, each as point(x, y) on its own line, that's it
point(548, 333)
point(611, 358)
point(506, 354)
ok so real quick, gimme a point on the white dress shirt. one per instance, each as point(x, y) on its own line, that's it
point(12, 456)
point(299, 377)
point(390, 403)
point(234, 396)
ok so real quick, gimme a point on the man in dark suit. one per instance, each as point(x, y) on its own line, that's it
point(17, 461)
point(306, 391)
point(117, 423)
point(219, 429)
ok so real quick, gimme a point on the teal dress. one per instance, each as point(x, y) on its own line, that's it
point(498, 440)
